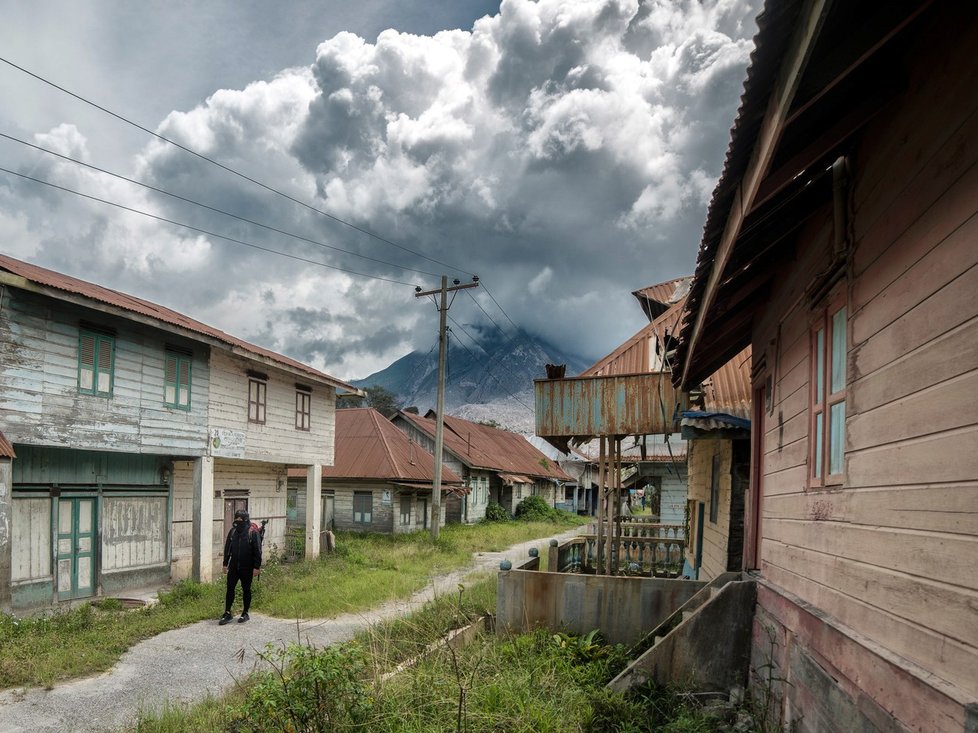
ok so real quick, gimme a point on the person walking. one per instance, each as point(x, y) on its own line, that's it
point(242, 561)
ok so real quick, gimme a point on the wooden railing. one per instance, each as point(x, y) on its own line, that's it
point(657, 556)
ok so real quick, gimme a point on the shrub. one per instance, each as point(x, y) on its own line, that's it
point(536, 509)
point(309, 689)
point(496, 513)
point(185, 590)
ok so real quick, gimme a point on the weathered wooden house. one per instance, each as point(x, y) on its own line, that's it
point(841, 245)
point(137, 433)
point(495, 464)
point(380, 480)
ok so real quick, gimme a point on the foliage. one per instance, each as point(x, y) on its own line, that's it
point(536, 509)
point(489, 423)
point(496, 513)
point(382, 400)
point(308, 689)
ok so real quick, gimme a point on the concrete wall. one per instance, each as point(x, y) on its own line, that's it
point(624, 608)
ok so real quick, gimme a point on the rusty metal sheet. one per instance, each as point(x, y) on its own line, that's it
point(6, 449)
point(620, 404)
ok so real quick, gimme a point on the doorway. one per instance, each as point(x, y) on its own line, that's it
point(76, 548)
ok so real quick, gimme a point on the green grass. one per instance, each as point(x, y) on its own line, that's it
point(365, 571)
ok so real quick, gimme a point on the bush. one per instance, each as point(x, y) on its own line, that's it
point(308, 689)
point(535, 509)
point(496, 513)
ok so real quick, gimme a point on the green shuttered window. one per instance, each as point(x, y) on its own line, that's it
point(96, 356)
point(176, 380)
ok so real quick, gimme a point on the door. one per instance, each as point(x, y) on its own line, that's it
point(230, 507)
point(329, 509)
point(76, 548)
point(424, 511)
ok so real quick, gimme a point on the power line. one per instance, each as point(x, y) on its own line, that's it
point(230, 170)
point(488, 370)
point(200, 230)
point(209, 208)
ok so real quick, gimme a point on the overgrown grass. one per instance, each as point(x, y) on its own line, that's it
point(365, 570)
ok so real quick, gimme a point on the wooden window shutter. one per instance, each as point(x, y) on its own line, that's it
point(86, 362)
point(104, 366)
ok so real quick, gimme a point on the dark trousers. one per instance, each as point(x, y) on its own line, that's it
point(233, 577)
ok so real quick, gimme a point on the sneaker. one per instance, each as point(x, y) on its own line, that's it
point(225, 619)
point(244, 617)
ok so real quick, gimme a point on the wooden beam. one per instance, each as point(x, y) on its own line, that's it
point(779, 105)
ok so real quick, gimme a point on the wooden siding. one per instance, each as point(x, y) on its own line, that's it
point(891, 553)
point(39, 399)
point(31, 541)
point(134, 532)
point(715, 534)
point(277, 440)
point(182, 520)
point(385, 516)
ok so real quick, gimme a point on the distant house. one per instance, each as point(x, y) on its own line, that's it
point(840, 245)
point(380, 480)
point(495, 464)
point(136, 433)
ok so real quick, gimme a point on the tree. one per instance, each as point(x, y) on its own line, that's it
point(382, 400)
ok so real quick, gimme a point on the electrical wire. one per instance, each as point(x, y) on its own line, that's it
point(208, 207)
point(202, 231)
point(228, 169)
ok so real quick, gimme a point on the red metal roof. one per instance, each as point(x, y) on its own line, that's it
point(656, 299)
point(49, 278)
point(481, 446)
point(369, 446)
point(728, 390)
point(634, 356)
point(6, 449)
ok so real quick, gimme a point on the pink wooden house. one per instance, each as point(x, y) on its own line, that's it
point(841, 245)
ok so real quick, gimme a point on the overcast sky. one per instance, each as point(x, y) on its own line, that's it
point(563, 150)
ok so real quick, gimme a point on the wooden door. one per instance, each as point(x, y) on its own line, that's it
point(230, 507)
point(76, 548)
point(424, 511)
point(329, 511)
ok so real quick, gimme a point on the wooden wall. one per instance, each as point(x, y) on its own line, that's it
point(715, 534)
point(891, 554)
point(277, 440)
point(385, 516)
point(39, 399)
point(31, 541)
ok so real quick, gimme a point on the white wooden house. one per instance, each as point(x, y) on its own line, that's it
point(137, 432)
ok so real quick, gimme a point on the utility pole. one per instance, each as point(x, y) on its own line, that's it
point(443, 291)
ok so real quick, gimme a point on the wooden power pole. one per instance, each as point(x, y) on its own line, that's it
point(443, 307)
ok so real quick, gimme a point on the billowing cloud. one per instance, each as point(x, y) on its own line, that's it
point(564, 151)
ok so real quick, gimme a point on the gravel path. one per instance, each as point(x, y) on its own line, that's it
point(186, 664)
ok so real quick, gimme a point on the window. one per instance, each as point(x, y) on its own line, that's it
point(303, 407)
point(256, 400)
point(828, 396)
point(362, 507)
point(406, 500)
point(176, 380)
point(292, 505)
point(96, 354)
point(715, 490)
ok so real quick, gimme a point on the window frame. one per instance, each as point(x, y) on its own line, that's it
point(828, 388)
point(405, 519)
point(303, 408)
point(366, 516)
point(96, 367)
point(260, 401)
point(180, 359)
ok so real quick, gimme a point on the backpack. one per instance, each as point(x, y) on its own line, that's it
point(260, 530)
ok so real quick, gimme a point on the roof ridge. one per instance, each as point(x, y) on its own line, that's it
point(374, 414)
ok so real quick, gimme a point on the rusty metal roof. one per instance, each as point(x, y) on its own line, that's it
point(656, 299)
point(6, 449)
point(369, 446)
point(66, 283)
point(481, 446)
point(635, 355)
point(728, 390)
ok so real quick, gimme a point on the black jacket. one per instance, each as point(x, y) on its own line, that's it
point(242, 548)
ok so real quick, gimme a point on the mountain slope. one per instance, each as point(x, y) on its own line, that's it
point(493, 372)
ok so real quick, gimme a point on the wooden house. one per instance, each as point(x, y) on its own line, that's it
point(380, 480)
point(495, 464)
point(841, 245)
point(137, 433)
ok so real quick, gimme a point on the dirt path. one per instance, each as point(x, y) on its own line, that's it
point(186, 664)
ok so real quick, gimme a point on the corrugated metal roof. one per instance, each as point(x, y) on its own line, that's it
point(481, 446)
point(635, 355)
point(656, 299)
point(728, 390)
point(107, 296)
point(6, 449)
point(369, 446)
point(511, 478)
point(775, 25)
